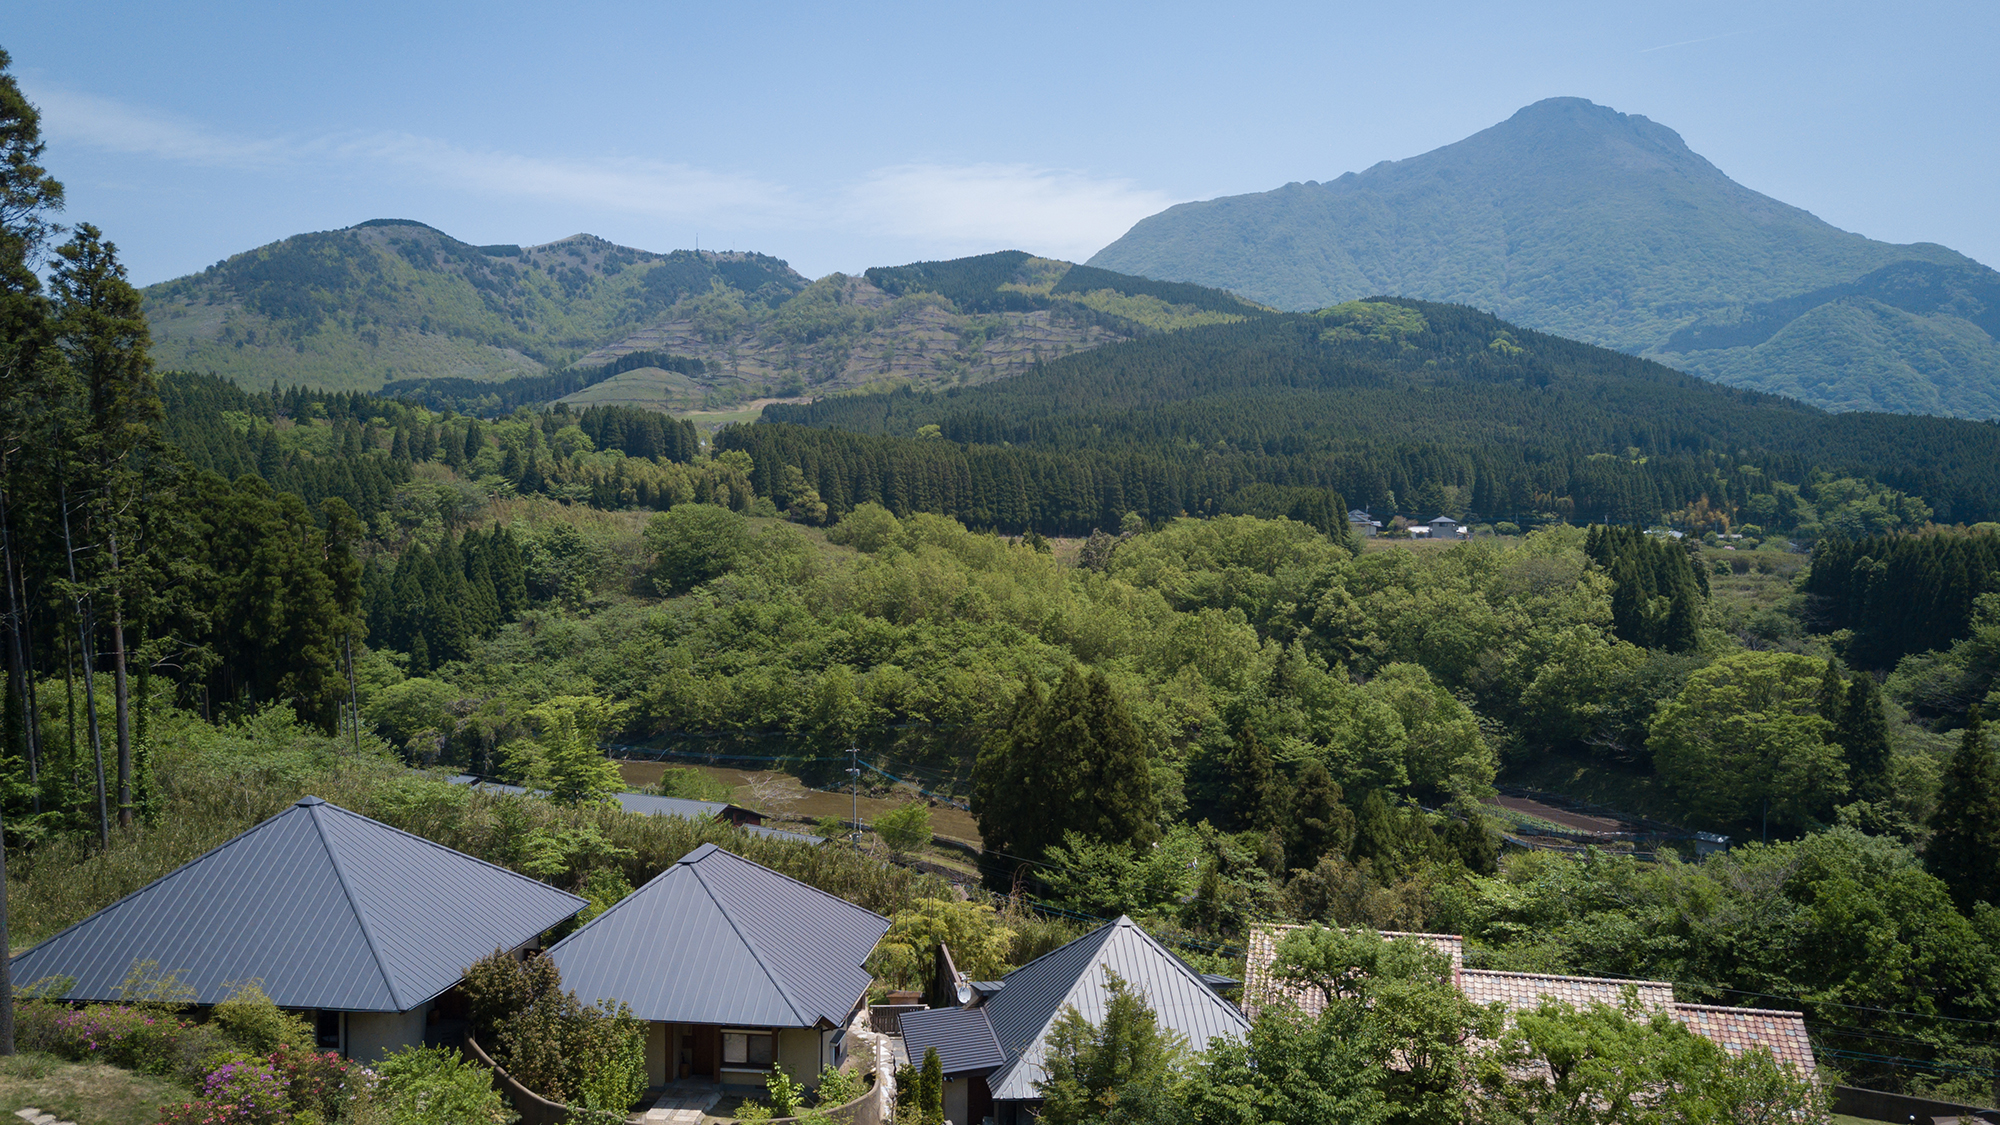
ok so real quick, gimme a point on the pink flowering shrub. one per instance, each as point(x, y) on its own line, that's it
point(141, 1038)
point(287, 1086)
point(245, 1091)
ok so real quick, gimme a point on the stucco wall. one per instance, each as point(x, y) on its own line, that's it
point(958, 1102)
point(798, 1053)
point(657, 1040)
point(371, 1035)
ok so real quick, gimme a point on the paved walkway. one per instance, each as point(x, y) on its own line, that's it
point(683, 1104)
point(35, 1116)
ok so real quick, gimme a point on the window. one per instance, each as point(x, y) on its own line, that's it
point(746, 1048)
point(328, 1030)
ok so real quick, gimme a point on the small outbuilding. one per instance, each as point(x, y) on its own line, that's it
point(993, 1048)
point(735, 968)
point(361, 927)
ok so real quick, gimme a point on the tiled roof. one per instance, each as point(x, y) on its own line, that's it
point(325, 907)
point(1736, 1029)
point(1742, 1029)
point(1522, 991)
point(716, 938)
point(1261, 988)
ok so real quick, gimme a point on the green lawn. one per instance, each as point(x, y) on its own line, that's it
point(86, 1093)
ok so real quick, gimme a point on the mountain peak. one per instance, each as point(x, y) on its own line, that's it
point(1572, 217)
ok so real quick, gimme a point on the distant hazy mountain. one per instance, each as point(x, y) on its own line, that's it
point(1576, 219)
point(399, 304)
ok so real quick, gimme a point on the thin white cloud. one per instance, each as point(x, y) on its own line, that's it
point(641, 187)
point(1051, 211)
point(946, 209)
point(72, 117)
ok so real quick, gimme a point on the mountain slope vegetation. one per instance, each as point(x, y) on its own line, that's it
point(403, 308)
point(391, 299)
point(1398, 406)
point(1576, 219)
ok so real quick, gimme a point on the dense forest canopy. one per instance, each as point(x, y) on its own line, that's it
point(1398, 406)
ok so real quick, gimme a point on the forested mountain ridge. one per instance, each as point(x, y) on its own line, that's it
point(393, 299)
point(1398, 405)
point(1573, 218)
point(398, 306)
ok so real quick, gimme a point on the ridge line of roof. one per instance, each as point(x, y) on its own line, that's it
point(1186, 969)
point(1680, 1007)
point(156, 881)
point(1041, 1035)
point(756, 952)
point(787, 878)
point(360, 918)
point(448, 848)
point(1569, 976)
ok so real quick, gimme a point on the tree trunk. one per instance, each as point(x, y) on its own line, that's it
point(353, 698)
point(6, 968)
point(88, 653)
point(120, 687)
point(21, 678)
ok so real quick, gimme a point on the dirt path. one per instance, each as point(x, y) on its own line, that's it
point(782, 796)
point(1580, 822)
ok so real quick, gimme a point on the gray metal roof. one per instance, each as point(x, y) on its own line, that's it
point(718, 939)
point(646, 804)
point(962, 1037)
point(324, 907)
point(684, 807)
point(1074, 976)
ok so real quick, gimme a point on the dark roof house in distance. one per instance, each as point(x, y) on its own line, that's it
point(360, 924)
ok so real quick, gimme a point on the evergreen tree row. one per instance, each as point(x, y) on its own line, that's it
point(1657, 591)
point(434, 604)
point(1900, 594)
point(1434, 396)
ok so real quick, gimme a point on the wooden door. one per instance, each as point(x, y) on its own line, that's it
point(708, 1051)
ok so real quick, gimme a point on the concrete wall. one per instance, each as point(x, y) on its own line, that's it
point(798, 1053)
point(657, 1056)
point(958, 1102)
point(371, 1035)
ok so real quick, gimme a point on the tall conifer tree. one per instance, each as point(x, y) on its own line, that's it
point(1965, 830)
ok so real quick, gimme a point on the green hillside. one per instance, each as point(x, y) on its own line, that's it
point(403, 308)
point(393, 300)
point(1399, 406)
point(1576, 219)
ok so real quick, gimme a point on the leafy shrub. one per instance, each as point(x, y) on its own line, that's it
point(838, 1087)
point(256, 1024)
point(549, 1040)
point(124, 1035)
point(288, 1087)
point(437, 1086)
point(786, 1094)
point(691, 783)
point(244, 1089)
point(907, 829)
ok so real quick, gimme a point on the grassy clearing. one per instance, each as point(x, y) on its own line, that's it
point(86, 1093)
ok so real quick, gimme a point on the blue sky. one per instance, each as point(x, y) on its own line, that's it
point(844, 136)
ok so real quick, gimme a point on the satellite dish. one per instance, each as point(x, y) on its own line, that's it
point(964, 991)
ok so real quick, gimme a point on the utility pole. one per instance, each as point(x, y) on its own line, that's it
point(854, 787)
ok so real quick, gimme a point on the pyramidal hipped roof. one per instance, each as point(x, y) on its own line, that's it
point(323, 907)
point(1075, 975)
point(718, 939)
